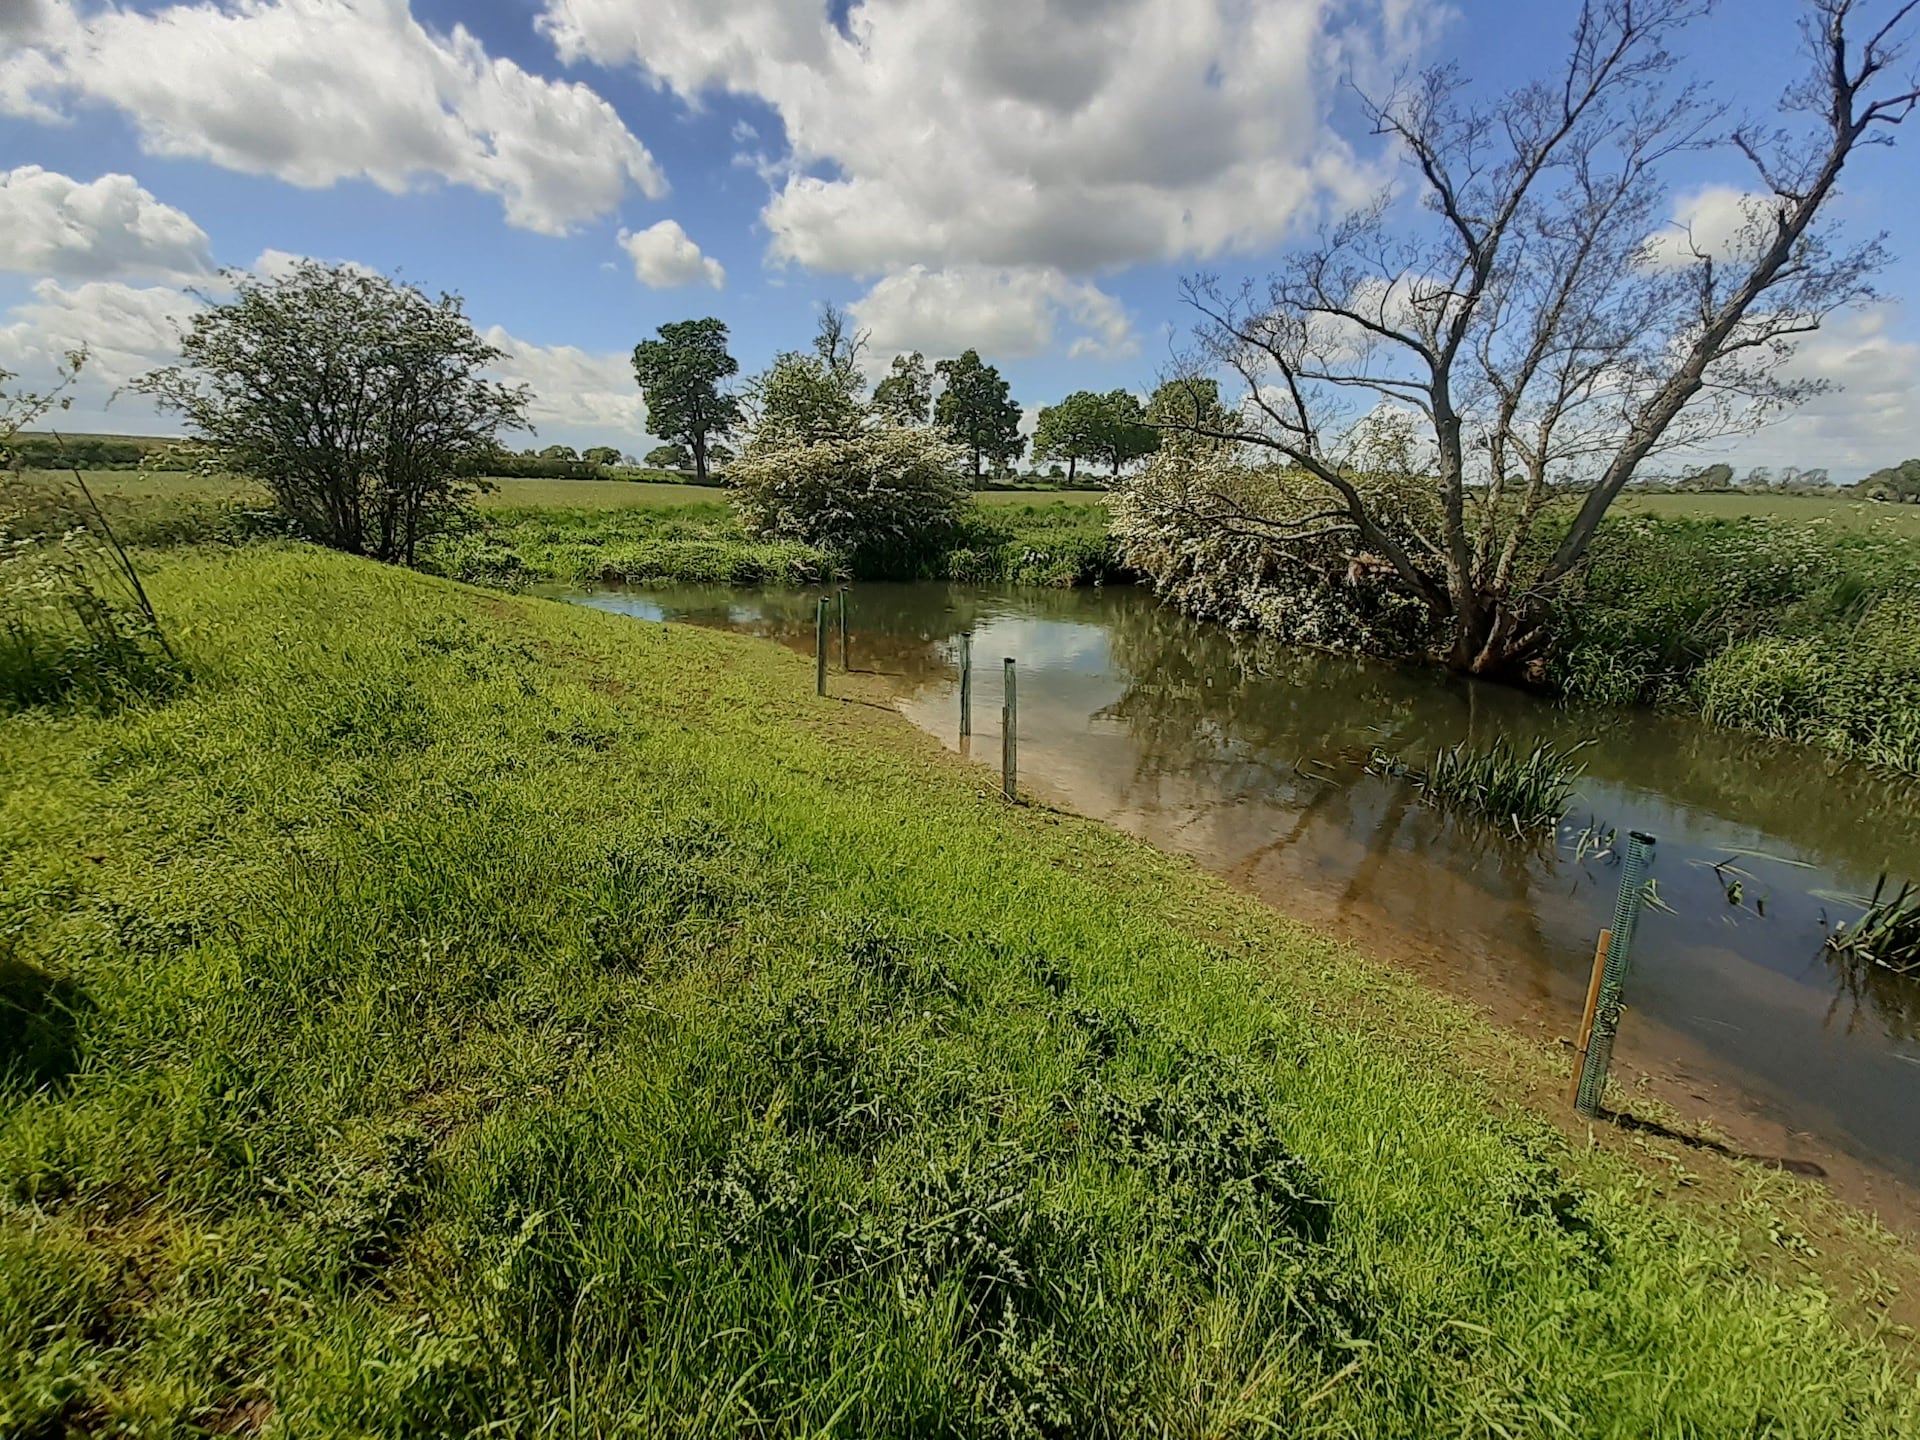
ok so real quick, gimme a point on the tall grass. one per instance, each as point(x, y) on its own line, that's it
point(76, 625)
point(465, 1014)
point(1798, 629)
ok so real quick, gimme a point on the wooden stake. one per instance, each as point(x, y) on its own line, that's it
point(1593, 1004)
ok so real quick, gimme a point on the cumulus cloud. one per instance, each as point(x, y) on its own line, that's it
point(125, 329)
point(663, 257)
point(1870, 416)
point(318, 91)
point(573, 389)
point(128, 330)
point(52, 224)
point(1717, 221)
point(1071, 134)
point(1004, 312)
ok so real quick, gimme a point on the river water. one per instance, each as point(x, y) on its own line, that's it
point(1249, 757)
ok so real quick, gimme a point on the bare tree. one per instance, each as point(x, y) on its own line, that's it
point(840, 345)
point(1545, 331)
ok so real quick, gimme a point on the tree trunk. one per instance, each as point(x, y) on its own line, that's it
point(1073, 468)
point(699, 440)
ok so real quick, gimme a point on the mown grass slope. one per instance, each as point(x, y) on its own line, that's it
point(460, 1014)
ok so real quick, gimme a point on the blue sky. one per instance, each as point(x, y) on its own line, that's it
point(1032, 177)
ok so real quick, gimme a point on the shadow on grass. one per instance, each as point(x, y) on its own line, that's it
point(40, 1018)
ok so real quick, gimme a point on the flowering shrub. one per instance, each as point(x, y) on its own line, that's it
point(886, 497)
point(1253, 547)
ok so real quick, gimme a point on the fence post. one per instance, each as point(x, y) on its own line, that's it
point(820, 649)
point(1010, 737)
point(1613, 978)
point(966, 684)
point(845, 663)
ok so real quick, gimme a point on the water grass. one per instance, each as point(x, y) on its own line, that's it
point(1524, 793)
point(1888, 934)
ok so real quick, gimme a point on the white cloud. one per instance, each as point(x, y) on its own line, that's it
point(1716, 221)
point(128, 330)
point(52, 224)
point(318, 91)
point(663, 257)
point(1003, 312)
point(125, 331)
point(1076, 134)
point(1871, 416)
point(574, 389)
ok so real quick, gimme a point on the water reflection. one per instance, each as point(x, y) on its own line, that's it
point(1247, 756)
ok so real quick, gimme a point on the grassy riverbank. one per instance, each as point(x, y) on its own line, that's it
point(1799, 628)
point(1022, 543)
point(459, 1010)
point(1785, 615)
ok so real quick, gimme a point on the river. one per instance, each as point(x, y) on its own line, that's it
point(1249, 757)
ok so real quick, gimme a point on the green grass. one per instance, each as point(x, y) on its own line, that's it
point(1494, 782)
point(459, 1011)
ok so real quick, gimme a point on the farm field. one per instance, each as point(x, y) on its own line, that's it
point(457, 1009)
point(1837, 511)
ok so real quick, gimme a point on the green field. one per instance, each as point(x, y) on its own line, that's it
point(457, 1012)
point(1805, 509)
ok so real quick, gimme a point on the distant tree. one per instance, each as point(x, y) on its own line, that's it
point(801, 398)
point(905, 394)
point(978, 411)
point(601, 455)
point(1123, 435)
point(359, 402)
point(680, 375)
point(1186, 412)
point(559, 452)
point(1713, 477)
point(1070, 431)
point(1897, 483)
point(670, 457)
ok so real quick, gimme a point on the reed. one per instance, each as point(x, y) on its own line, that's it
point(1888, 935)
point(1525, 792)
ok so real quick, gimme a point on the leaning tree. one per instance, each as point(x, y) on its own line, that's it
point(1533, 318)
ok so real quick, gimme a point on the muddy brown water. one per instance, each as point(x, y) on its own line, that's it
point(1248, 757)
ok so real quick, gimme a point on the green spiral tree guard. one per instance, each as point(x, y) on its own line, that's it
point(966, 684)
point(820, 649)
point(1613, 981)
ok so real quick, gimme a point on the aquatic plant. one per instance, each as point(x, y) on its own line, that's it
point(1526, 792)
point(1888, 935)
